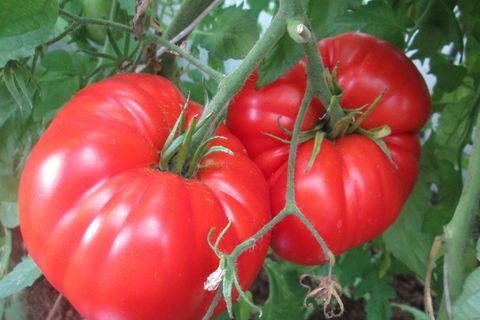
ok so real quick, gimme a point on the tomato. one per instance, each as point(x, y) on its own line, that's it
point(353, 192)
point(119, 238)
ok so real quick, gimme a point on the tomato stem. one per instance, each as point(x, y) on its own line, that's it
point(458, 231)
point(147, 38)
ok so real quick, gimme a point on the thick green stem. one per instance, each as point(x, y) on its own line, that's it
point(232, 83)
point(459, 230)
point(317, 72)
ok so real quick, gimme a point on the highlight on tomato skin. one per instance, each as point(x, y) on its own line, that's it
point(119, 238)
point(354, 190)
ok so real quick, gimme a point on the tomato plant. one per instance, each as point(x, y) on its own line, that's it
point(335, 158)
point(352, 192)
point(118, 237)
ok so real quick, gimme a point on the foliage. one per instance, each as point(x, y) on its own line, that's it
point(46, 56)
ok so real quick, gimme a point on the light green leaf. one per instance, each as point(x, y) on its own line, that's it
point(128, 6)
point(467, 307)
point(478, 250)
point(281, 59)
point(22, 276)
point(230, 34)
point(417, 314)
point(414, 246)
point(8, 201)
point(24, 25)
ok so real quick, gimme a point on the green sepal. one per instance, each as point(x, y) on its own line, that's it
point(365, 114)
point(319, 135)
point(375, 135)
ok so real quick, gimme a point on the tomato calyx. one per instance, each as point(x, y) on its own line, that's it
point(179, 154)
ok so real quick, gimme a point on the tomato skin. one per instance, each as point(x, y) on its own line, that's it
point(120, 239)
point(353, 192)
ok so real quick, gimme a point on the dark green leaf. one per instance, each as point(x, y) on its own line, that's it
point(379, 291)
point(22, 276)
point(438, 27)
point(377, 18)
point(282, 57)
point(324, 13)
point(231, 34)
point(414, 246)
point(25, 25)
point(449, 76)
point(285, 300)
point(53, 94)
point(257, 6)
point(7, 104)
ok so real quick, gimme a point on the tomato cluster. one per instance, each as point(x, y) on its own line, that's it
point(122, 239)
point(354, 191)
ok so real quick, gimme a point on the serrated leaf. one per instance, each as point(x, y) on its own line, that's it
point(414, 246)
point(282, 58)
point(22, 276)
point(379, 291)
point(8, 201)
point(377, 18)
point(230, 35)
point(285, 299)
point(53, 94)
point(23, 26)
point(467, 307)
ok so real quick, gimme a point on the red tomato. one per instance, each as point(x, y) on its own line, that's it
point(120, 239)
point(353, 192)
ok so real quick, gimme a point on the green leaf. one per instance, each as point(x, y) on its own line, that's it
point(414, 246)
point(324, 13)
point(417, 314)
point(8, 201)
point(377, 18)
point(449, 76)
point(22, 276)
point(128, 6)
point(478, 249)
point(282, 58)
point(257, 6)
point(438, 27)
point(15, 309)
point(378, 292)
point(7, 104)
point(285, 299)
point(231, 34)
point(23, 26)
point(53, 94)
point(467, 307)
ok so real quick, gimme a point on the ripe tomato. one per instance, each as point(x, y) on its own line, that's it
point(119, 238)
point(353, 192)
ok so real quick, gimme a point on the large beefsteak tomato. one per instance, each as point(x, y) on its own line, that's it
point(353, 192)
point(119, 238)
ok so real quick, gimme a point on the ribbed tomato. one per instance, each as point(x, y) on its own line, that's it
point(119, 238)
point(353, 192)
